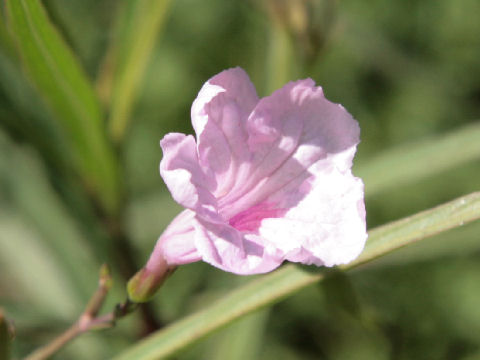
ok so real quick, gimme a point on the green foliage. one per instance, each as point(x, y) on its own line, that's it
point(87, 89)
point(407, 163)
point(55, 72)
point(139, 22)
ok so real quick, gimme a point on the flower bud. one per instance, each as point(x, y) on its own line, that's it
point(145, 283)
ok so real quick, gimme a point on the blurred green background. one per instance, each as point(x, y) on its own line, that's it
point(408, 71)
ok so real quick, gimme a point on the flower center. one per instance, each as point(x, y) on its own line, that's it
point(249, 220)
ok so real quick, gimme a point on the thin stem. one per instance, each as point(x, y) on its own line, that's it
point(88, 320)
point(46, 351)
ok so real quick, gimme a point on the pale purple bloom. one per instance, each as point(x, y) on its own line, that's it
point(265, 180)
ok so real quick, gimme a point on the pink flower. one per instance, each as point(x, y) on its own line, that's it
point(265, 180)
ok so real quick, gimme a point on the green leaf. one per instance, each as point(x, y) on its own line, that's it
point(397, 234)
point(36, 277)
point(27, 115)
point(273, 287)
point(139, 25)
point(40, 206)
point(6, 44)
point(280, 58)
point(412, 162)
point(61, 81)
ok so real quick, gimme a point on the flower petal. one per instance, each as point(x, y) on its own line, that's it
point(324, 226)
point(289, 132)
point(176, 245)
point(231, 250)
point(187, 182)
point(219, 116)
point(268, 180)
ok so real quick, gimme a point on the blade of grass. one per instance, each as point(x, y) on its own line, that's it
point(34, 200)
point(37, 203)
point(36, 278)
point(273, 287)
point(397, 234)
point(280, 58)
point(61, 81)
point(139, 25)
point(459, 243)
point(7, 47)
point(410, 163)
point(26, 114)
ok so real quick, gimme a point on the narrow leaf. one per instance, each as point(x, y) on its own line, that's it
point(273, 287)
point(6, 44)
point(35, 276)
point(140, 23)
point(280, 57)
point(64, 86)
point(24, 113)
point(397, 234)
point(39, 205)
point(412, 162)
